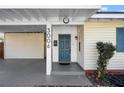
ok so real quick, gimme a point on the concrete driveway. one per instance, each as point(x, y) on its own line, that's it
point(31, 73)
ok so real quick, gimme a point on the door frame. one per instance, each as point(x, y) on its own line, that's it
point(59, 50)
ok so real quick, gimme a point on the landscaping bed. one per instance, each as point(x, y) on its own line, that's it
point(112, 80)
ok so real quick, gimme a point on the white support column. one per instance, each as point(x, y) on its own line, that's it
point(48, 49)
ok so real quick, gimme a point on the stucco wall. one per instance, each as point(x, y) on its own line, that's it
point(24, 45)
point(80, 56)
point(101, 31)
point(65, 30)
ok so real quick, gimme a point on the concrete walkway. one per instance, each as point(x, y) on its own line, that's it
point(71, 69)
point(31, 73)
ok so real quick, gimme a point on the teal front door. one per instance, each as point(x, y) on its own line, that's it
point(64, 48)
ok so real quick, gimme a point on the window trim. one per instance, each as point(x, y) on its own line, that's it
point(117, 50)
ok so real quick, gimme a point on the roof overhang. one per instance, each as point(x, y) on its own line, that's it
point(108, 15)
point(43, 15)
point(51, 6)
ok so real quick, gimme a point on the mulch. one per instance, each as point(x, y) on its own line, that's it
point(113, 80)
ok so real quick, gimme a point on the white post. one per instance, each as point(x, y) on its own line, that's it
point(48, 49)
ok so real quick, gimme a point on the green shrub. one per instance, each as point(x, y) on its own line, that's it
point(105, 53)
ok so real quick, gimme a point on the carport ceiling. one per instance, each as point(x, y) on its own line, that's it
point(44, 15)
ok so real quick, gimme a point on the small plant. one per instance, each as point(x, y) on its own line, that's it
point(105, 53)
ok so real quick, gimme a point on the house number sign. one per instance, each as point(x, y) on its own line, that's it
point(48, 37)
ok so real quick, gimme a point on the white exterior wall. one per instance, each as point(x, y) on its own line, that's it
point(80, 56)
point(59, 29)
point(101, 31)
point(24, 45)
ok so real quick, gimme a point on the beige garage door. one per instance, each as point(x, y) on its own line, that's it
point(24, 45)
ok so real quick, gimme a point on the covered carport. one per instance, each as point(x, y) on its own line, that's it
point(22, 22)
point(24, 42)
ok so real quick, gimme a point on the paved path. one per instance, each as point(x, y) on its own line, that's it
point(31, 72)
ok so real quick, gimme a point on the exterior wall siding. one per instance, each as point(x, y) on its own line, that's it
point(101, 31)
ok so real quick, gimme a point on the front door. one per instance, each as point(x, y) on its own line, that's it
point(64, 48)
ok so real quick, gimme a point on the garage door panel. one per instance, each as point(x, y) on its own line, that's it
point(24, 45)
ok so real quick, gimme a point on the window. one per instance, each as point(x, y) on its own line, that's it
point(120, 39)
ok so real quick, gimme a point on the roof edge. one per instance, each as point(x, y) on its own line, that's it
point(110, 12)
point(53, 6)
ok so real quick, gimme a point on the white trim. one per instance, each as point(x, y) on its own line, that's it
point(53, 6)
point(49, 49)
point(108, 16)
point(40, 23)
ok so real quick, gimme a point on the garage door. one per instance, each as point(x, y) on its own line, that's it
point(24, 45)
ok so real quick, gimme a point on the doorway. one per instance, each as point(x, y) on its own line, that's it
point(64, 48)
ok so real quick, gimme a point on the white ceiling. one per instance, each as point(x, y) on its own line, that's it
point(44, 15)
